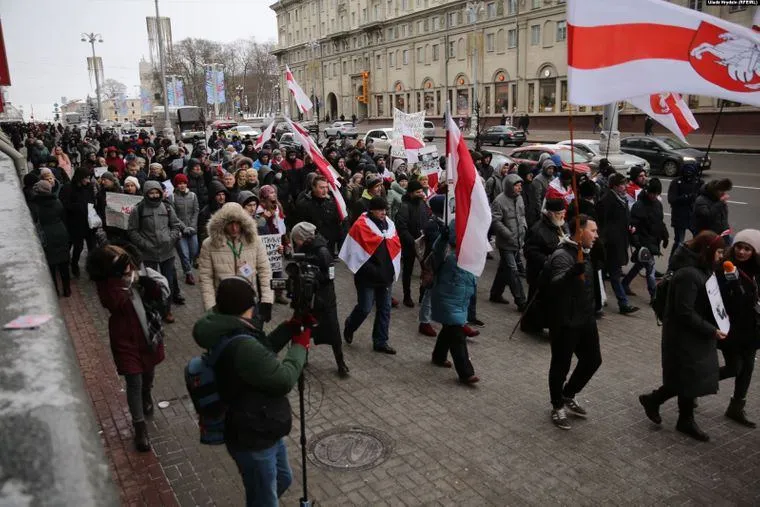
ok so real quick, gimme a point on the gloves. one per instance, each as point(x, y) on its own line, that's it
point(665, 243)
point(576, 270)
point(265, 311)
point(189, 231)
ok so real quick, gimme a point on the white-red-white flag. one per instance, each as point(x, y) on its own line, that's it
point(630, 48)
point(323, 166)
point(265, 136)
point(362, 241)
point(473, 214)
point(670, 111)
point(302, 100)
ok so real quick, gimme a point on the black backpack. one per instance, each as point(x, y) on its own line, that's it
point(660, 300)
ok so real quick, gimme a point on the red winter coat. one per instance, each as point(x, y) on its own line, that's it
point(129, 347)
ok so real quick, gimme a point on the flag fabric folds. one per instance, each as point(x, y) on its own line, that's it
point(473, 214)
point(630, 48)
point(264, 136)
point(302, 100)
point(670, 111)
point(362, 241)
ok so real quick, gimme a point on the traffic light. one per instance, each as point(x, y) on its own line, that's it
point(364, 97)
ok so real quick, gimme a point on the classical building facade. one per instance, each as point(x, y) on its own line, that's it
point(366, 57)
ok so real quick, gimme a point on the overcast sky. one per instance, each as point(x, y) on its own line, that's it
point(48, 60)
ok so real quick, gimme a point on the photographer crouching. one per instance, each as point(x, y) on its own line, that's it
point(254, 385)
point(306, 241)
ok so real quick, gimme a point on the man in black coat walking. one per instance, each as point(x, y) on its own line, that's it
point(614, 223)
point(319, 208)
point(711, 208)
point(682, 193)
point(412, 217)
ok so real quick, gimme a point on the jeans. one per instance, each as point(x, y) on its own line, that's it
point(740, 363)
point(582, 341)
point(616, 277)
point(426, 307)
point(139, 386)
point(408, 259)
point(452, 339)
point(472, 309)
point(366, 297)
point(266, 474)
point(166, 268)
point(508, 274)
point(649, 268)
point(187, 249)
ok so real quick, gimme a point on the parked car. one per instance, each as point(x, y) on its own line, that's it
point(224, 124)
point(287, 140)
point(311, 126)
point(498, 160)
point(281, 128)
point(428, 131)
point(664, 154)
point(244, 130)
point(503, 135)
point(381, 138)
point(622, 163)
point(342, 129)
point(530, 155)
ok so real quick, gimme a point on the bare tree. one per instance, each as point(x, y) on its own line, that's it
point(111, 88)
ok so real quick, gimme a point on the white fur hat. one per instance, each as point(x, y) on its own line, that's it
point(750, 237)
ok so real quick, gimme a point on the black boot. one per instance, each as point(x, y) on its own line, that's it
point(686, 423)
point(736, 412)
point(342, 369)
point(142, 442)
point(651, 407)
point(147, 403)
point(75, 269)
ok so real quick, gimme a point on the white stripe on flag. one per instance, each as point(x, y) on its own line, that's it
point(353, 254)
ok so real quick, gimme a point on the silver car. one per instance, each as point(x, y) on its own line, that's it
point(622, 162)
point(342, 129)
point(428, 131)
point(381, 138)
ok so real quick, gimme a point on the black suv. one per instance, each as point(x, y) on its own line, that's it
point(665, 154)
point(503, 135)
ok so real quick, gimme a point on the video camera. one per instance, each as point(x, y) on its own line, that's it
point(301, 284)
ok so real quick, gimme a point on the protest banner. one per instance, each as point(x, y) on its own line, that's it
point(118, 208)
point(408, 123)
point(100, 171)
point(272, 242)
point(716, 303)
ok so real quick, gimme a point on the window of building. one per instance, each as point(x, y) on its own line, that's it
point(391, 60)
point(420, 55)
point(463, 102)
point(511, 7)
point(364, 15)
point(380, 111)
point(561, 31)
point(695, 4)
point(512, 38)
point(563, 95)
point(490, 42)
point(491, 10)
point(532, 97)
point(342, 21)
point(403, 30)
point(535, 35)
point(436, 23)
point(406, 57)
point(452, 19)
point(501, 94)
point(376, 12)
point(405, 4)
point(736, 8)
point(345, 68)
point(693, 101)
point(420, 26)
point(452, 49)
point(379, 61)
point(436, 52)
point(535, 4)
point(547, 94)
point(395, 32)
point(390, 34)
point(398, 59)
point(460, 49)
point(335, 70)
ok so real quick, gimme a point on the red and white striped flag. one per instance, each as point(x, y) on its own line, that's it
point(302, 100)
point(362, 241)
point(323, 166)
point(632, 48)
point(473, 214)
point(670, 111)
point(412, 146)
point(265, 136)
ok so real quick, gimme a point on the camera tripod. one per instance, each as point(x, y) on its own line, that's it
point(304, 502)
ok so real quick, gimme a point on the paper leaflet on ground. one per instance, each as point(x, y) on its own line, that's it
point(272, 242)
point(409, 123)
point(28, 321)
point(118, 209)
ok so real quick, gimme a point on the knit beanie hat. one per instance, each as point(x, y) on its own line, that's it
point(372, 180)
point(133, 180)
point(156, 165)
point(303, 231)
point(44, 171)
point(108, 175)
point(437, 202)
point(266, 192)
point(402, 177)
point(42, 187)
point(654, 186)
point(180, 178)
point(555, 205)
point(378, 202)
point(413, 186)
point(750, 237)
point(234, 296)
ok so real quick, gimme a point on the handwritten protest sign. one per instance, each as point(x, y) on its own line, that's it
point(118, 208)
point(716, 302)
point(272, 242)
point(403, 122)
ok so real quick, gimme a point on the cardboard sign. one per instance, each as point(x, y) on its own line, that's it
point(272, 242)
point(118, 209)
point(716, 302)
point(168, 189)
point(100, 171)
point(403, 122)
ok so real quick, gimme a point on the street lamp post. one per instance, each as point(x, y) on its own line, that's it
point(473, 9)
point(168, 131)
point(91, 38)
point(313, 64)
point(239, 99)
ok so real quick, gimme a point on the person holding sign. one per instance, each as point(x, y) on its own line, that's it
point(689, 334)
point(738, 282)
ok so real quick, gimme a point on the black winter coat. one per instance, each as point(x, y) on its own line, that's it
point(648, 219)
point(75, 199)
point(689, 348)
point(598, 251)
point(326, 303)
point(532, 207)
point(540, 242)
point(614, 219)
point(196, 183)
point(323, 213)
point(411, 218)
point(576, 293)
point(378, 271)
point(740, 298)
point(681, 197)
point(710, 213)
point(48, 211)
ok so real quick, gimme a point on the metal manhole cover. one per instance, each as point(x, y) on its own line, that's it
point(350, 448)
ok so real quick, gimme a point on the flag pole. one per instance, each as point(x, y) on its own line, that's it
point(448, 162)
point(575, 184)
point(712, 136)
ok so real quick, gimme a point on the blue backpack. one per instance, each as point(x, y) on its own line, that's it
point(200, 380)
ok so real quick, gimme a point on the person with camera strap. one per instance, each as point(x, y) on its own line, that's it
point(314, 246)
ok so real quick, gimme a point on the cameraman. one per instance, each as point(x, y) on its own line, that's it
point(306, 240)
point(254, 384)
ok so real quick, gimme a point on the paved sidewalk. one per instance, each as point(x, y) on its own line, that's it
point(492, 444)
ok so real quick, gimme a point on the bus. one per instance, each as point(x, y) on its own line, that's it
point(188, 122)
point(72, 119)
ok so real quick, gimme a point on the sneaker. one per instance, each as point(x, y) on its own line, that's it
point(470, 332)
point(385, 349)
point(559, 418)
point(280, 299)
point(190, 279)
point(427, 330)
point(349, 337)
point(627, 310)
point(394, 302)
point(473, 379)
point(574, 407)
point(499, 300)
point(444, 364)
point(477, 323)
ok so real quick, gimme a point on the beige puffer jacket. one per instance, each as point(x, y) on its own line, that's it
point(217, 261)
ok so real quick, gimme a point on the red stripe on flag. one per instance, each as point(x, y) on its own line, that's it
point(394, 246)
point(364, 236)
point(675, 109)
point(594, 47)
point(466, 175)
